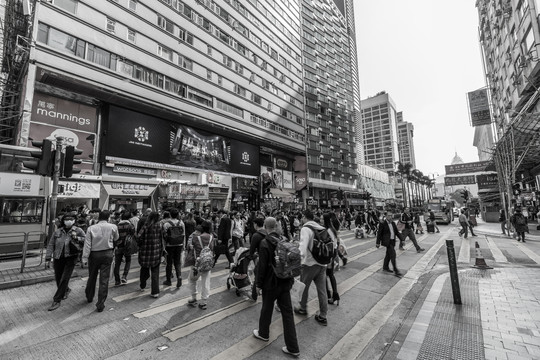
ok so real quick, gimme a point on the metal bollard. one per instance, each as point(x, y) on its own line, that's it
point(452, 264)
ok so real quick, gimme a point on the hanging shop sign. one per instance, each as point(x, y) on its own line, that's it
point(129, 189)
point(472, 167)
point(300, 180)
point(19, 184)
point(487, 181)
point(75, 189)
point(134, 170)
point(459, 180)
point(479, 107)
point(133, 135)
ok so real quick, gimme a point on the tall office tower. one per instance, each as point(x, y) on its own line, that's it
point(187, 102)
point(379, 121)
point(331, 96)
point(405, 140)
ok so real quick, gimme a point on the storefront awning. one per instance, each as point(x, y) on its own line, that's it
point(286, 196)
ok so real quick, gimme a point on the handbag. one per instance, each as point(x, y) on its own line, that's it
point(297, 291)
point(400, 226)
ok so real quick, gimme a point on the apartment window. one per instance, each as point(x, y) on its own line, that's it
point(185, 63)
point(227, 61)
point(68, 5)
point(111, 25)
point(239, 90)
point(220, 80)
point(131, 35)
point(165, 24)
point(200, 97)
point(209, 50)
point(165, 52)
point(101, 57)
point(132, 5)
point(239, 68)
point(229, 108)
point(209, 74)
point(256, 98)
point(528, 40)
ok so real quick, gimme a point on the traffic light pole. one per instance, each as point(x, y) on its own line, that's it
point(55, 178)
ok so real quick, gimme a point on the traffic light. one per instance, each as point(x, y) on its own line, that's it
point(45, 164)
point(516, 189)
point(69, 161)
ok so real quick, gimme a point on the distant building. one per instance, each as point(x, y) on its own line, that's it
point(405, 140)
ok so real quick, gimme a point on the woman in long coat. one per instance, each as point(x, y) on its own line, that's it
point(150, 251)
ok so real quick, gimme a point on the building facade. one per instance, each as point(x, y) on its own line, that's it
point(405, 141)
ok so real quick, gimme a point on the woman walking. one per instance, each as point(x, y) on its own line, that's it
point(195, 244)
point(150, 251)
point(64, 247)
point(333, 297)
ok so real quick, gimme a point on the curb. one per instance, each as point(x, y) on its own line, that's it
point(31, 281)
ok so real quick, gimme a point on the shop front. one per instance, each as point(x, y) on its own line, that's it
point(74, 194)
point(188, 196)
point(117, 196)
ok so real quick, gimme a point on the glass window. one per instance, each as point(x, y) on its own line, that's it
point(131, 35)
point(61, 41)
point(21, 210)
point(165, 53)
point(132, 5)
point(165, 24)
point(111, 25)
point(68, 5)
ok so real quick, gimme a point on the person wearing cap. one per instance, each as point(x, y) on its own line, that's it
point(64, 253)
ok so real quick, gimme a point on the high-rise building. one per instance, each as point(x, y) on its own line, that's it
point(381, 141)
point(198, 103)
point(405, 140)
point(332, 97)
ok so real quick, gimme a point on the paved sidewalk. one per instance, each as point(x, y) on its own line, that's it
point(494, 229)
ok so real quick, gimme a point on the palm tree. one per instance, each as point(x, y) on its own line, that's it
point(405, 171)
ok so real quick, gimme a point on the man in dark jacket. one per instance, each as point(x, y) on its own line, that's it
point(407, 219)
point(224, 236)
point(256, 239)
point(274, 289)
point(386, 236)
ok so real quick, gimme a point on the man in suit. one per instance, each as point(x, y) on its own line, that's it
point(224, 236)
point(386, 236)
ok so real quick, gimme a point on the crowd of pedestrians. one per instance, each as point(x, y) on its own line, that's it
point(99, 238)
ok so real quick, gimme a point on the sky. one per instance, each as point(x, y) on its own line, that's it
point(426, 55)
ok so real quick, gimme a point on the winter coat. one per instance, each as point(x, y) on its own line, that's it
point(150, 245)
point(59, 244)
point(519, 227)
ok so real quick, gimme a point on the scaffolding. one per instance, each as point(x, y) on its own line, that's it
point(14, 31)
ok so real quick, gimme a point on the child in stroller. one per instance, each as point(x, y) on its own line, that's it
point(359, 232)
point(241, 272)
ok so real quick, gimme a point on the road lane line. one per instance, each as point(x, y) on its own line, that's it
point(355, 341)
point(534, 257)
point(249, 346)
point(465, 251)
point(498, 256)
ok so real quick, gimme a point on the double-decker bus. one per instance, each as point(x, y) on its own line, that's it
point(442, 210)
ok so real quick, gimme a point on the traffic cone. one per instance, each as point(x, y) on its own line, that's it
point(480, 263)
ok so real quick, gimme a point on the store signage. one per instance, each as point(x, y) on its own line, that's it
point(133, 135)
point(282, 163)
point(80, 140)
point(312, 202)
point(62, 113)
point(19, 184)
point(479, 107)
point(472, 167)
point(288, 180)
point(459, 180)
point(300, 180)
point(487, 181)
point(117, 188)
point(134, 170)
point(187, 192)
point(74, 189)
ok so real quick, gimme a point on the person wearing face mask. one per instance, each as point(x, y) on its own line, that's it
point(64, 248)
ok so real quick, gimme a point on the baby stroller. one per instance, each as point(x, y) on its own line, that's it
point(241, 272)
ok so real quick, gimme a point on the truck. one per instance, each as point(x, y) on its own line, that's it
point(442, 210)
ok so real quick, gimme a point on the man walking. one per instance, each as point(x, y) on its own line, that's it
point(98, 252)
point(407, 219)
point(387, 237)
point(274, 289)
point(224, 235)
point(312, 270)
point(464, 224)
point(432, 220)
point(174, 234)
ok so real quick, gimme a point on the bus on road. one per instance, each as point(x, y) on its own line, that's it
point(442, 209)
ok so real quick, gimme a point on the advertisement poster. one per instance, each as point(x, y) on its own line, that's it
point(479, 107)
point(278, 178)
point(288, 180)
point(267, 176)
point(137, 136)
point(16, 184)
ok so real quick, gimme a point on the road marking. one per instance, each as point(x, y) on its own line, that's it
point(534, 257)
point(465, 251)
point(354, 342)
point(249, 346)
point(498, 256)
point(138, 294)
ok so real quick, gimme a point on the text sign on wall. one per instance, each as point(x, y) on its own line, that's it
point(479, 107)
point(459, 180)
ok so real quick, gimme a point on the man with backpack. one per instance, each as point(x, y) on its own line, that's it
point(519, 221)
point(174, 234)
point(275, 288)
point(316, 247)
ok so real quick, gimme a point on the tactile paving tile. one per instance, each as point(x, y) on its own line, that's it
point(455, 331)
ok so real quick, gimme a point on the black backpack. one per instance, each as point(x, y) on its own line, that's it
point(323, 246)
point(174, 235)
point(288, 260)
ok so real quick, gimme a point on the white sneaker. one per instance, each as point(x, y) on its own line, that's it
point(286, 351)
point(256, 334)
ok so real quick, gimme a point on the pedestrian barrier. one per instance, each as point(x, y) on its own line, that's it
point(480, 263)
point(19, 243)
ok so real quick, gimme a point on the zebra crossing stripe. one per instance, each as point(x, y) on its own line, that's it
point(498, 256)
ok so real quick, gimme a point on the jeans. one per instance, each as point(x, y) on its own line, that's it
point(390, 256)
point(410, 234)
point(205, 284)
point(120, 254)
point(145, 274)
point(282, 294)
point(99, 263)
point(464, 229)
point(174, 257)
point(317, 274)
point(503, 227)
point(63, 269)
